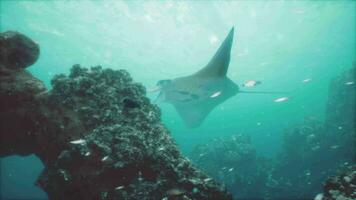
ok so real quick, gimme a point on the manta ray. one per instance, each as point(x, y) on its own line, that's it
point(196, 95)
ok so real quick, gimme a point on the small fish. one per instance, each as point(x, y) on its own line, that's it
point(319, 197)
point(87, 154)
point(230, 170)
point(251, 83)
point(281, 99)
point(316, 147)
point(202, 154)
point(306, 80)
point(105, 158)
point(349, 83)
point(216, 94)
point(120, 187)
point(207, 179)
point(161, 149)
point(80, 141)
point(307, 173)
point(334, 147)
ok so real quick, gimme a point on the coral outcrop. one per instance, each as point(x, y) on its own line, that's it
point(342, 187)
point(96, 132)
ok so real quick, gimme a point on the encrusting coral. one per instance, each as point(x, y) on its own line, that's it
point(97, 134)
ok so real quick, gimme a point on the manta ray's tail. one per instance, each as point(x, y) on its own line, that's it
point(262, 92)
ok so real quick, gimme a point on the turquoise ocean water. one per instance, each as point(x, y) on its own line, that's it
point(280, 43)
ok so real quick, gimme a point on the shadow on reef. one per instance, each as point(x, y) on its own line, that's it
point(95, 131)
point(311, 151)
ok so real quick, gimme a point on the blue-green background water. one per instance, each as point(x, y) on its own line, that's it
point(280, 43)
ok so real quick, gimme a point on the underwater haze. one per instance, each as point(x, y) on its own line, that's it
point(296, 47)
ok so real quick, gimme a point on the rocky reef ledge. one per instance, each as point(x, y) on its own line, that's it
point(97, 134)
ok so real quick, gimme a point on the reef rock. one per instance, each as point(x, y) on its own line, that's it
point(233, 161)
point(97, 134)
point(18, 91)
point(342, 187)
point(17, 51)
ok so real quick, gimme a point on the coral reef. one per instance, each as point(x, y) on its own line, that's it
point(96, 132)
point(311, 151)
point(314, 150)
point(234, 162)
point(342, 187)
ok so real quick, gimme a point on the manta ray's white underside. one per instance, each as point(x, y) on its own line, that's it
point(195, 96)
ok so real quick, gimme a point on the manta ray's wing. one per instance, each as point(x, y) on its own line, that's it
point(218, 65)
point(193, 114)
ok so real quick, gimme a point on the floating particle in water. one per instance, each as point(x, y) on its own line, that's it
point(202, 154)
point(259, 123)
point(80, 141)
point(87, 154)
point(253, 13)
point(281, 99)
point(340, 127)
point(316, 148)
point(306, 80)
point(230, 170)
point(311, 137)
point(298, 11)
point(271, 182)
point(263, 63)
point(216, 94)
point(161, 149)
point(244, 52)
point(213, 39)
point(349, 83)
point(307, 173)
